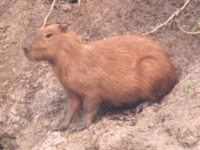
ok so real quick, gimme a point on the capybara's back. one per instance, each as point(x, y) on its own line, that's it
point(121, 70)
point(129, 69)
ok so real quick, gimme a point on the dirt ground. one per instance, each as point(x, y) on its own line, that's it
point(32, 101)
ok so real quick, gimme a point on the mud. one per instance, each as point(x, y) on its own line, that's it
point(32, 101)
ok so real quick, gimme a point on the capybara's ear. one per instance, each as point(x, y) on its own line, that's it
point(63, 28)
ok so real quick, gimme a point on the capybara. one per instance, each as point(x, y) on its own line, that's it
point(120, 70)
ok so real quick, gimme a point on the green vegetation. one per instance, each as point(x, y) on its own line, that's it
point(188, 86)
point(197, 26)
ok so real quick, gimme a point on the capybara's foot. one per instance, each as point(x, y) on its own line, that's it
point(141, 107)
point(80, 126)
point(59, 127)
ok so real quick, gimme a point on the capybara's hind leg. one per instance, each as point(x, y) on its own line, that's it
point(90, 107)
point(141, 107)
point(73, 104)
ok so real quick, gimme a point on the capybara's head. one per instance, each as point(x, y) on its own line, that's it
point(46, 42)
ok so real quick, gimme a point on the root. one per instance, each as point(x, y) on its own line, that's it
point(45, 20)
point(192, 33)
point(175, 14)
point(79, 3)
point(51, 9)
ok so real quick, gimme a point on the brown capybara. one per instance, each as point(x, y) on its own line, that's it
point(120, 70)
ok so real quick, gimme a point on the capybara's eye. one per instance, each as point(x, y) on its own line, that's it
point(48, 35)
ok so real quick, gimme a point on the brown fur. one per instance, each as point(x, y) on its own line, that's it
point(120, 70)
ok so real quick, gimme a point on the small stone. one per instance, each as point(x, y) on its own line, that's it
point(119, 123)
point(2, 25)
point(121, 118)
point(114, 117)
point(87, 38)
point(5, 83)
point(190, 140)
point(126, 112)
point(133, 122)
point(2, 118)
point(66, 8)
point(151, 125)
point(156, 109)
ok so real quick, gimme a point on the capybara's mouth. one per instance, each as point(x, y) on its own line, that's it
point(27, 55)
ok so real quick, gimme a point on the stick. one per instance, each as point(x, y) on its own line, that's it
point(193, 33)
point(45, 20)
point(176, 13)
point(79, 3)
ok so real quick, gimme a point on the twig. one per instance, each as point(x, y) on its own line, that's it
point(45, 20)
point(79, 3)
point(176, 13)
point(186, 31)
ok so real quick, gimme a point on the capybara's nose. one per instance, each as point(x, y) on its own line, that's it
point(25, 49)
point(26, 46)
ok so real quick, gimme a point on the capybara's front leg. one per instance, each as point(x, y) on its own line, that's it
point(90, 107)
point(73, 104)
